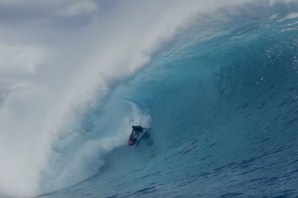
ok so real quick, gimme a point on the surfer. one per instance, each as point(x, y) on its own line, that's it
point(136, 131)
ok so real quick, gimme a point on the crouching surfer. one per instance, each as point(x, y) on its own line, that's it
point(136, 132)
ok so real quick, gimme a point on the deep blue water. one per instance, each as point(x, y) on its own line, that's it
point(223, 101)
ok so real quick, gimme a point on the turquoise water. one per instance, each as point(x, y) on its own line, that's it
point(222, 101)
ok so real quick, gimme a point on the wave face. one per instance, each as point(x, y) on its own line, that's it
point(222, 100)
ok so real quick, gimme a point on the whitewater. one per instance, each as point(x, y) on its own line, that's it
point(217, 83)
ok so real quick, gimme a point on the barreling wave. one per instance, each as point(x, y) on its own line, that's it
point(216, 82)
point(222, 101)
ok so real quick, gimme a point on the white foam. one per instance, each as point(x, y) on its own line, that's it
point(90, 156)
point(290, 16)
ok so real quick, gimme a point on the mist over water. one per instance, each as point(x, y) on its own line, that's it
point(216, 82)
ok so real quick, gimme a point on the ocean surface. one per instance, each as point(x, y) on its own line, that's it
point(221, 99)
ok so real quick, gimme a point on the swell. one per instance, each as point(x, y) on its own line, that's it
point(223, 111)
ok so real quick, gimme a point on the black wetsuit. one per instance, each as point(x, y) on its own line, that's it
point(136, 130)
